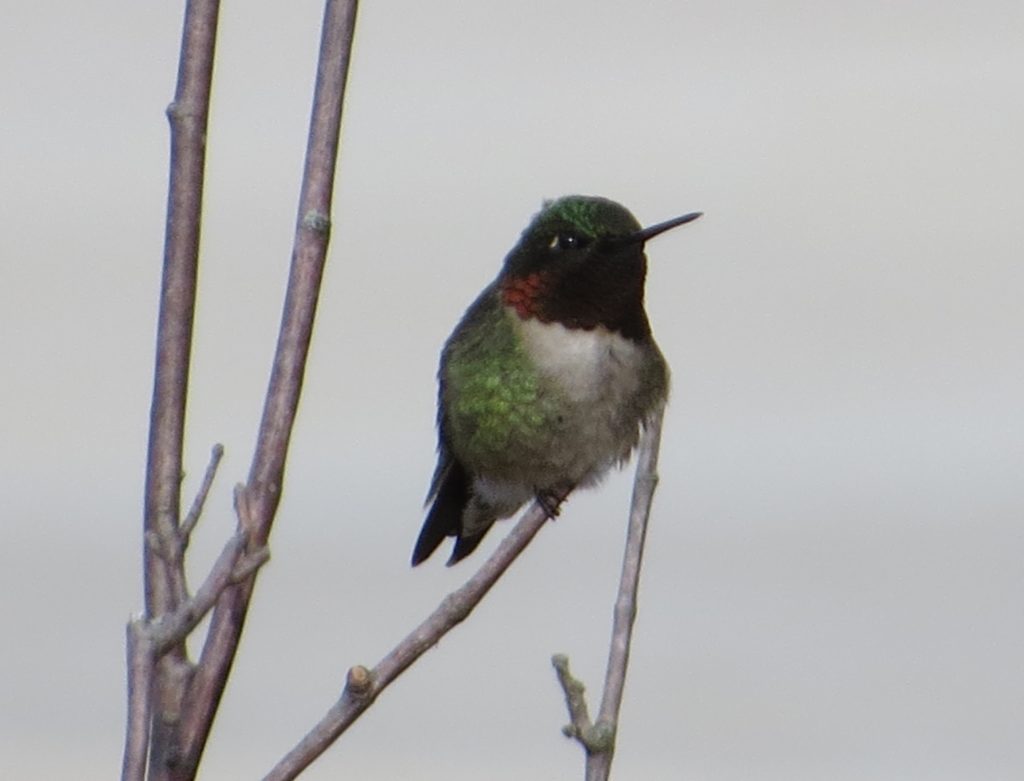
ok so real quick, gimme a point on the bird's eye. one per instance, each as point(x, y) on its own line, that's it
point(567, 241)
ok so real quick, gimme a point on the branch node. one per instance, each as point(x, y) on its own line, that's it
point(580, 728)
point(155, 544)
point(165, 544)
point(249, 563)
point(456, 607)
point(243, 508)
point(172, 628)
point(317, 222)
point(358, 682)
point(599, 738)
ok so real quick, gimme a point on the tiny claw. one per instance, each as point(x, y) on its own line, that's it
point(551, 502)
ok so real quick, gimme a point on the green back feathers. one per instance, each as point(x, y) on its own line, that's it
point(491, 389)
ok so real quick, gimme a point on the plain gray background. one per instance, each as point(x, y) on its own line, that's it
point(834, 576)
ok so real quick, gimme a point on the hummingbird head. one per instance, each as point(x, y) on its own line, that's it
point(581, 263)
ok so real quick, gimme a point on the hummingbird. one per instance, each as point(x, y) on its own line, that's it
point(548, 378)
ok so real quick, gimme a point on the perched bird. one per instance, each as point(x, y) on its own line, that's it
point(550, 374)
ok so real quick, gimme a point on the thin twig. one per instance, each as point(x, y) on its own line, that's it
point(266, 475)
point(173, 628)
point(644, 485)
point(164, 575)
point(598, 738)
point(364, 686)
point(580, 726)
point(196, 510)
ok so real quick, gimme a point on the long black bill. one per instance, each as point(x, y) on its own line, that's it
point(649, 233)
point(640, 236)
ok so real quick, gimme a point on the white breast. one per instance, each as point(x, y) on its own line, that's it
point(594, 365)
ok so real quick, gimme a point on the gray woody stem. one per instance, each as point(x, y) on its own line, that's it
point(148, 640)
point(171, 703)
point(157, 688)
point(363, 685)
point(260, 496)
point(598, 739)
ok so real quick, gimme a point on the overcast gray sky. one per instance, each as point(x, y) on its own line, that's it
point(834, 578)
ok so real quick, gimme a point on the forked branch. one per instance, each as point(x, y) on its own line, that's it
point(155, 689)
point(171, 702)
point(598, 738)
point(259, 498)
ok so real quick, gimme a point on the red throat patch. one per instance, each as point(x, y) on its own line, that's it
point(522, 294)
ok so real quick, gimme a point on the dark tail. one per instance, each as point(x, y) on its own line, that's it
point(464, 546)
point(450, 497)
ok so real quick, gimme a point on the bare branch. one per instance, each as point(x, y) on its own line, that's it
point(363, 686)
point(266, 476)
point(188, 119)
point(598, 739)
point(140, 682)
point(147, 641)
point(629, 585)
point(189, 524)
point(172, 628)
point(244, 509)
point(580, 727)
point(249, 563)
point(164, 574)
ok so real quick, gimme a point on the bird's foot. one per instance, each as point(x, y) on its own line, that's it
point(551, 501)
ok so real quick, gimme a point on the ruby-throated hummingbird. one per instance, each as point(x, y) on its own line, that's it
point(550, 374)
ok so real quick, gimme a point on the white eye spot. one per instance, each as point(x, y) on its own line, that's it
point(568, 241)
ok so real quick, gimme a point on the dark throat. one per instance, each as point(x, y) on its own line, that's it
point(610, 295)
